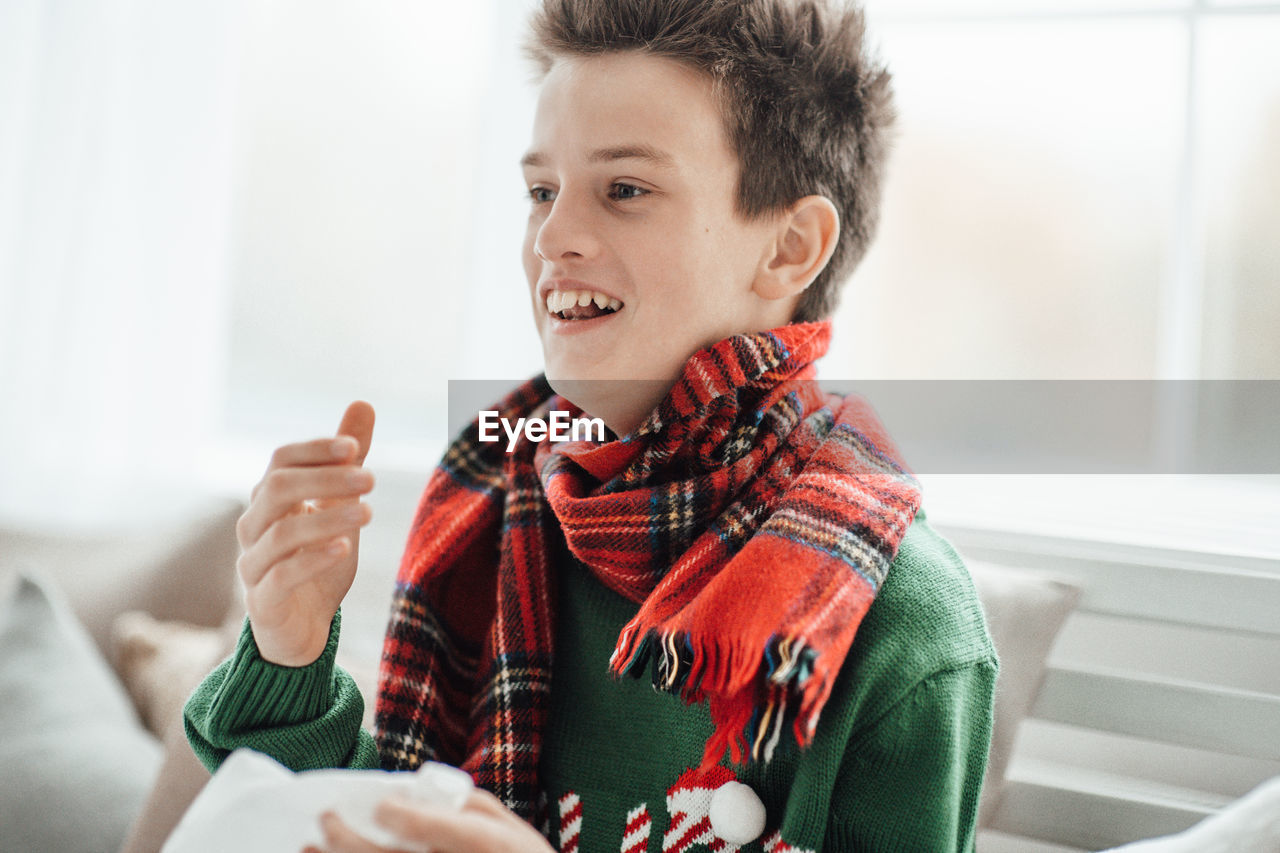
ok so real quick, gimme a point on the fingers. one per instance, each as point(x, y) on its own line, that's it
point(445, 831)
point(340, 838)
point(483, 801)
point(270, 583)
point(304, 471)
point(314, 538)
point(357, 422)
point(483, 824)
point(283, 489)
point(349, 448)
point(319, 451)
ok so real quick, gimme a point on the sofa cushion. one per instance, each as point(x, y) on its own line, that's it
point(75, 761)
point(160, 664)
point(161, 661)
point(1025, 611)
point(175, 562)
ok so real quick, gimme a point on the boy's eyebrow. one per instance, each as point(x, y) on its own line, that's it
point(634, 152)
point(648, 153)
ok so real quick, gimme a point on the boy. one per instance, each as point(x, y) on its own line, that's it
point(702, 175)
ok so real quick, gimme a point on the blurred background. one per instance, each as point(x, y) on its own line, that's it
point(222, 221)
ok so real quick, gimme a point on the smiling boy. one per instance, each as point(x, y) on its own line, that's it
point(702, 176)
point(634, 186)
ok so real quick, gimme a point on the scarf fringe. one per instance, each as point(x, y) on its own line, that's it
point(752, 688)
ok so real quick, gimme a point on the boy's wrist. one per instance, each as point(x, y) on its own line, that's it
point(324, 644)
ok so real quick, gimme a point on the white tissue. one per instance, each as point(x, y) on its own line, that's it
point(253, 804)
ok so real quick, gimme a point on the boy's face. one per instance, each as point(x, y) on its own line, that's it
point(632, 183)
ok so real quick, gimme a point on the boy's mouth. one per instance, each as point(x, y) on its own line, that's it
point(580, 304)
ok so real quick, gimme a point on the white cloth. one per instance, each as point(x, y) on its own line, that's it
point(1249, 825)
point(253, 804)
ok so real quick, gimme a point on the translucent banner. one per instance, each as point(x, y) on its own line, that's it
point(989, 427)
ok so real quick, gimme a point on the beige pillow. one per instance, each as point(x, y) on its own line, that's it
point(175, 564)
point(1025, 610)
point(160, 663)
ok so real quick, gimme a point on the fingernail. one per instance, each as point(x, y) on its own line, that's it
point(343, 447)
point(354, 512)
point(337, 546)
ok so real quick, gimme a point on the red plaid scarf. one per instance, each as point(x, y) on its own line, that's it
point(745, 479)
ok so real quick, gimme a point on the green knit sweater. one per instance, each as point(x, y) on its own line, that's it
point(896, 763)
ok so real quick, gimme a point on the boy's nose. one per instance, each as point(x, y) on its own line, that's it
point(565, 232)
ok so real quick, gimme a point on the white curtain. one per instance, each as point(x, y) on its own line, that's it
point(116, 153)
point(498, 231)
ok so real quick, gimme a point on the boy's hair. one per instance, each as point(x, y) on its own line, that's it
point(807, 109)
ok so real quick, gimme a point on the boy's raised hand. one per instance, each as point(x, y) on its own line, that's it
point(299, 539)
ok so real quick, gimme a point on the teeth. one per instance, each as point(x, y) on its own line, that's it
point(559, 300)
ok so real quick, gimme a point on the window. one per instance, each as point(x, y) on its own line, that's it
point(355, 213)
point(1082, 190)
point(328, 200)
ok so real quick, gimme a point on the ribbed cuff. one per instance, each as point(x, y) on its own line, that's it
point(304, 717)
point(256, 693)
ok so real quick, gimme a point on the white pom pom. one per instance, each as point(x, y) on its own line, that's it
point(736, 813)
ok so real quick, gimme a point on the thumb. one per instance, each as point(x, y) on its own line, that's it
point(357, 422)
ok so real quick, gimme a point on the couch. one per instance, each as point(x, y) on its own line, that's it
point(103, 633)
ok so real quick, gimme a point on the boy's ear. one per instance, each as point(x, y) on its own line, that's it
point(805, 240)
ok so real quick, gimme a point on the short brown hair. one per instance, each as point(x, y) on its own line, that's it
point(806, 107)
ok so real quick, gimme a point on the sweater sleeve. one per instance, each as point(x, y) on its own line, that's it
point(910, 782)
point(304, 717)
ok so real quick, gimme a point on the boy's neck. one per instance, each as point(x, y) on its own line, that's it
point(623, 404)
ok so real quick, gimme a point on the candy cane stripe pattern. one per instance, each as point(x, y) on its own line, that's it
point(570, 822)
point(689, 804)
point(635, 838)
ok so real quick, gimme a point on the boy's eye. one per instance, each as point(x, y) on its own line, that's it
point(541, 195)
point(623, 192)
point(617, 192)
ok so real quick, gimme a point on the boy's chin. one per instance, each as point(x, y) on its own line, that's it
point(562, 366)
point(620, 402)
